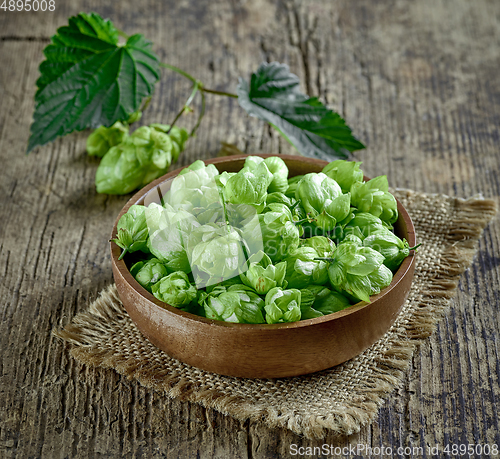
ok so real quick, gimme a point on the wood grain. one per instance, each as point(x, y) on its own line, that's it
point(417, 81)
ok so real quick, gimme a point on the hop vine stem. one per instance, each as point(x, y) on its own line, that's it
point(194, 80)
point(197, 86)
point(185, 74)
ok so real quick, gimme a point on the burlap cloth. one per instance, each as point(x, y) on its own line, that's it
point(341, 399)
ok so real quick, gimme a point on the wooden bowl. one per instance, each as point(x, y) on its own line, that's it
point(263, 351)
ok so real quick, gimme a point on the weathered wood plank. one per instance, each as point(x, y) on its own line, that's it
point(417, 82)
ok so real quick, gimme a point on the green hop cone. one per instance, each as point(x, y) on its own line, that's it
point(198, 165)
point(103, 138)
point(220, 305)
point(280, 235)
point(223, 178)
point(169, 231)
point(249, 186)
point(262, 275)
point(139, 159)
point(132, 231)
point(134, 117)
point(175, 289)
point(251, 305)
point(322, 198)
point(345, 173)
point(236, 303)
point(280, 198)
point(178, 136)
point(307, 310)
point(195, 189)
point(357, 240)
point(323, 245)
point(380, 279)
point(296, 209)
point(148, 272)
point(351, 268)
point(363, 224)
point(282, 305)
point(374, 197)
point(317, 301)
point(292, 186)
point(326, 301)
point(390, 246)
point(119, 172)
point(215, 254)
point(244, 220)
point(303, 269)
point(278, 169)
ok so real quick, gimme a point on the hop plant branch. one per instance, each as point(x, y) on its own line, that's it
point(84, 61)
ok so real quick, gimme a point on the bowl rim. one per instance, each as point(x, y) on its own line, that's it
point(140, 195)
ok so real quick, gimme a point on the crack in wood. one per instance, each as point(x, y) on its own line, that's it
point(298, 22)
point(28, 38)
point(413, 81)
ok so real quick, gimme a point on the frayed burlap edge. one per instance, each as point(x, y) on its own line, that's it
point(472, 215)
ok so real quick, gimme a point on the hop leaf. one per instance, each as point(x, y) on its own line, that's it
point(87, 80)
point(273, 95)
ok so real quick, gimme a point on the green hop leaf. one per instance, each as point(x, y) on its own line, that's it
point(273, 95)
point(88, 80)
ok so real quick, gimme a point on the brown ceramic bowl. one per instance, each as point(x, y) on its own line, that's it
point(263, 351)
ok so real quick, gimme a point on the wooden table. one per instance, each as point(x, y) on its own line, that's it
point(417, 81)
